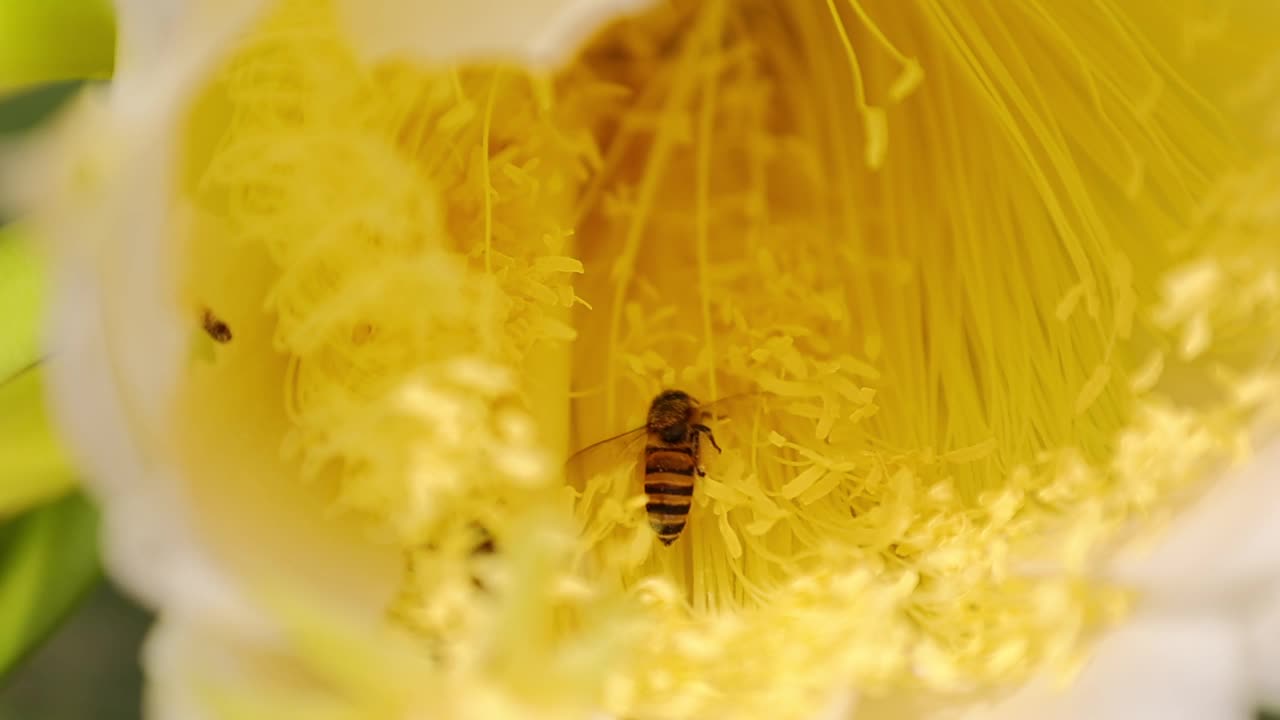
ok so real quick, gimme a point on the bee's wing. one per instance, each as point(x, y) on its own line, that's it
point(739, 407)
point(605, 453)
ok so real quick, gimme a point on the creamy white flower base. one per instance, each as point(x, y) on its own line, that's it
point(1206, 641)
point(1205, 644)
point(115, 337)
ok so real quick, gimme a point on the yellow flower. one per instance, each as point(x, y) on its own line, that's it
point(342, 283)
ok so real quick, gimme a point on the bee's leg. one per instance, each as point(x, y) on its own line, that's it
point(696, 438)
point(710, 436)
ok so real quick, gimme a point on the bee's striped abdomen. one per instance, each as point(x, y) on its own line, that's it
point(669, 470)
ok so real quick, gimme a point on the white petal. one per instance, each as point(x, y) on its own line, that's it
point(1262, 647)
point(842, 705)
point(537, 33)
point(1206, 642)
point(144, 27)
point(1225, 543)
point(166, 660)
point(150, 33)
point(1155, 667)
point(114, 340)
point(149, 543)
point(192, 663)
point(118, 342)
point(117, 336)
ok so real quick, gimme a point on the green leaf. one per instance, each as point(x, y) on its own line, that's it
point(48, 561)
point(25, 110)
point(22, 291)
point(45, 41)
point(34, 466)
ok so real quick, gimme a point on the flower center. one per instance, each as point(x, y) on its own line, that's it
point(939, 251)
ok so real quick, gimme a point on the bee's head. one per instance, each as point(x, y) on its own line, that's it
point(674, 397)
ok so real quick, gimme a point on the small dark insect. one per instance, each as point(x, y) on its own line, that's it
point(485, 544)
point(484, 547)
point(673, 431)
point(216, 328)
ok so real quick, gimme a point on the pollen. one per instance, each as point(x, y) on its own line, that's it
point(999, 296)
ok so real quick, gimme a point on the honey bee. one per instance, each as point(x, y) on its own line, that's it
point(673, 432)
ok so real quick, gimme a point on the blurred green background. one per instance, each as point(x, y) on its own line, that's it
point(87, 668)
